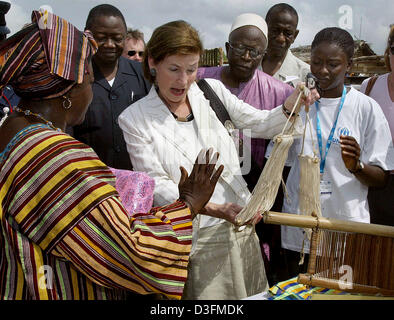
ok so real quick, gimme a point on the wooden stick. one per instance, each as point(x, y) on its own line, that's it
point(304, 221)
point(337, 285)
point(313, 252)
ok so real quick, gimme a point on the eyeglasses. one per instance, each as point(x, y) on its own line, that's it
point(240, 50)
point(133, 53)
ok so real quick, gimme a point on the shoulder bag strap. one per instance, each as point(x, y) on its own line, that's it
point(214, 101)
point(370, 85)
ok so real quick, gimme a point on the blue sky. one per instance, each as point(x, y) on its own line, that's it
point(213, 18)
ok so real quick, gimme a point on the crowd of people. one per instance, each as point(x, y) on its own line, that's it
point(81, 109)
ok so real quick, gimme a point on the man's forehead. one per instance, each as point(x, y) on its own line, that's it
point(134, 43)
point(103, 22)
point(283, 18)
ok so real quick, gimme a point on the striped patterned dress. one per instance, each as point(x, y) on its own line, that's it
point(66, 235)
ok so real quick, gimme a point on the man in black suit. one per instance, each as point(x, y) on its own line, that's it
point(118, 83)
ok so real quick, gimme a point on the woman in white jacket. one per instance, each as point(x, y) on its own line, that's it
point(166, 130)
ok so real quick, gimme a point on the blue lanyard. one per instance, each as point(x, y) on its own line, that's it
point(330, 137)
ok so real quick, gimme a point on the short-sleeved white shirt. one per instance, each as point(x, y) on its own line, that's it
point(361, 118)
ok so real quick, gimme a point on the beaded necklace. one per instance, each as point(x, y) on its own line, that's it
point(39, 116)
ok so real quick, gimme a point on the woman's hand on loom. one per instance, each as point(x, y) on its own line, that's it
point(300, 96)
point(256, 219)
point(227, 211)
point(196, 190)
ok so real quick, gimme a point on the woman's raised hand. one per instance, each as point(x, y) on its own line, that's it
point(301, 96)
point(196, 190)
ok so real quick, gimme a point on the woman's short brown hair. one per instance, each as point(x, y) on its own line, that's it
point(390, 42)
point(176, 37)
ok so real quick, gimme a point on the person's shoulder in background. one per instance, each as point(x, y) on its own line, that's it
point(209, 72)
point(134, 67)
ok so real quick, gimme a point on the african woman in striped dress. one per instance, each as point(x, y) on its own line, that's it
point(64, 233)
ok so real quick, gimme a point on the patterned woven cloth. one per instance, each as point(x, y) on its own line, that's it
point(135, 190)
point(292, 290)
point(65, 235)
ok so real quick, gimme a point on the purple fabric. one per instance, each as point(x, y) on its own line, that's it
point(262, 92)
point(135, 190)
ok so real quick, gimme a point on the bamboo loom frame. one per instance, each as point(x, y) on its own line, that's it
point(317, 223)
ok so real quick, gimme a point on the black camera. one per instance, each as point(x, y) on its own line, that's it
point(312, 82)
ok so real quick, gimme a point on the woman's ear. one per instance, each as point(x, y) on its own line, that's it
point(151, 62)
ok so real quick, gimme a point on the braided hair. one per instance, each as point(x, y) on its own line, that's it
point(338, 36)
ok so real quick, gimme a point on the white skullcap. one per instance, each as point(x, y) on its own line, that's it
point(250, 19)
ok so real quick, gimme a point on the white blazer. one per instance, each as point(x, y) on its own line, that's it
point(156, 147)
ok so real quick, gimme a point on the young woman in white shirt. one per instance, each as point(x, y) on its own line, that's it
point(352, 137)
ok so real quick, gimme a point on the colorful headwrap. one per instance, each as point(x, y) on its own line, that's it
point(45, 59)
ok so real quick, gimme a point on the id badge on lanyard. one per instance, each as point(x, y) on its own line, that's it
point(325, 185)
